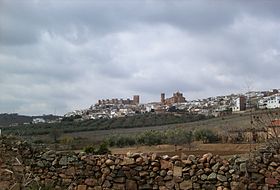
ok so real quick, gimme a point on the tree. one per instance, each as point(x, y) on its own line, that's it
point(205, 135)
point(270, 122)
point(55, 134)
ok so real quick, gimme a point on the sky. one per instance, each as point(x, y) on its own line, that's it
point(57, 56)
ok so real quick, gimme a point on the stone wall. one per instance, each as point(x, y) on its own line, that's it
point(22, 166)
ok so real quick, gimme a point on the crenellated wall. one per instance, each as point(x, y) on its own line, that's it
point(22, 166)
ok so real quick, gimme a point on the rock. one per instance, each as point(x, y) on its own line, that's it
point(138, 168)
point(71, 171)
point(215, 167)
point(202, 160)
point(161, 188)
point(106, 184)
point(155, 169)
point(165, 157)
point(266, 157)
point(155, 164)
point(159, 179)
point(177, 171)
point(196, 186)
point(169, 172)
point(166, 164)
point(109, 162)
point(40, 164)
point(139, 160)
point(221, 178)
point(82, 187)
point(194, 178)
point(271, 181)
point(231, 171)
point(200, 166)
point(176, 157)
point(127, 161)
point(145, 187)
point(273, 164)
point(203, 177)
point(243, 167)
point(258, 178)
point(117, 186)
point(178, 179)
point(63, 161)
point(212, 176)
point(237, 186)
point(162, 173)
point(106, 170)
point(185, 185)
point(143, 173)
point(252, 186)
point(192, 158)
point(130, 185)
point(135, 155)
point(91, 182)
point(199, 172)
point(170, 184)
point(167, 178)
point(119, 180)
point(240, 160)
point(187, 162)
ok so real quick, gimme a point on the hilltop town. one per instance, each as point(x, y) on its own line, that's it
point(177, 103)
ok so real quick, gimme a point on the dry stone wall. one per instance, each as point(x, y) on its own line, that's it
point(22, 167)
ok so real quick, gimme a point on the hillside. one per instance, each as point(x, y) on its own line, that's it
point(137, 121)
point(8, 119)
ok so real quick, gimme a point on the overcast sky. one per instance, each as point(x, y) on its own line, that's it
point(58, 56)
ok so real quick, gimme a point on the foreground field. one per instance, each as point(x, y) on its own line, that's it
point(198, 149)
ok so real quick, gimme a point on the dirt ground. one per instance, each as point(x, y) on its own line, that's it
point(197, 149)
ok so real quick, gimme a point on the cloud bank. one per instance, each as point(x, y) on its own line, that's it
point(57, 56)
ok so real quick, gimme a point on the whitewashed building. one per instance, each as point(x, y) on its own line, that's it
point(239, 104)
point(273, 102)
point(38, 120)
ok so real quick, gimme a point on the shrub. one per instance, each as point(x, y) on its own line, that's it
point(206, 135)
point(151, 137)
point(89, 150)
point(101, 149)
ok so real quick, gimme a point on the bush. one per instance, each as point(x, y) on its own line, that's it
point(66, 140)
point(89, 150)
point(121, 140)
point(205, 135)
point(150, 138)
point(101, 149)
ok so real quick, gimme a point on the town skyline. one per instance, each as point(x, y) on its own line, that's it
point(58, 56)
point(162, 98)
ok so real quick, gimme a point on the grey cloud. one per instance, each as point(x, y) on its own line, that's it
point(57, 55)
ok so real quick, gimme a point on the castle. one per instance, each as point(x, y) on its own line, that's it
point(134, 101)
point(176, 98)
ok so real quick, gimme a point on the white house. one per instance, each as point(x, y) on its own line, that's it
point(239, 104)
point(38, 120)
point(273, 102)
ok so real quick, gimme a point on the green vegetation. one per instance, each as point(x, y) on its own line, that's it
point(71, 126)
point(153, 137)
point(101, 149)
point(205, 135)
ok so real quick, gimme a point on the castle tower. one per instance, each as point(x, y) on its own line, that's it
point(136, 99)
point(162, 98)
